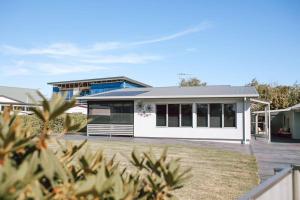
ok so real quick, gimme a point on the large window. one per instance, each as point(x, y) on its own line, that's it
point(202, 115)
point(215, 115)
point(111, 112)
point(161, 115)
point(186, 115)
point(229, 115)
point(173, 115)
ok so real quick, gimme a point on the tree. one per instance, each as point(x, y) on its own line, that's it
point(191, 82)
point(280, 96)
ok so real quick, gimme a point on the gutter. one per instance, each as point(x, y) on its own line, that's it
point(163, 97)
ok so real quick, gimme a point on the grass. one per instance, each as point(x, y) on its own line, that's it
point(216, 174)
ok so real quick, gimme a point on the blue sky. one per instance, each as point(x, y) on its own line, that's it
point(220, 42)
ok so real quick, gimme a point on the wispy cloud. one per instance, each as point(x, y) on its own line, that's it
point(18, 71)
point(57, 56)
point(56, 49)
point(203, 26)
point(191, 49)
point(70, 49)
point(28, 68)
point(121, 59)
point(60, 69)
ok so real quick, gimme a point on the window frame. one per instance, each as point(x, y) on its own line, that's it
point(113, 115)
point(194, 115)
point(166, 114)
point(207, 115)
point(180, 114)
point(235, 124)
point(222, 124)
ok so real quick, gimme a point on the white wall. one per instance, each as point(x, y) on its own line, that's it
point(78, 109)
point(145, 124)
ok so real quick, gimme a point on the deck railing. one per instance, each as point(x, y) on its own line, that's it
point(284, 185)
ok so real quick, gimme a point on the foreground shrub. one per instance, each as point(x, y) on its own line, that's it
point(56, 125)
point(30, 170)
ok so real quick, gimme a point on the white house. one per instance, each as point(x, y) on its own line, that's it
point(78, 109)
point(18, 98)
point(202, 113)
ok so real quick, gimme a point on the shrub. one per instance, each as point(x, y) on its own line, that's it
point(56, 125)
point(30, 170)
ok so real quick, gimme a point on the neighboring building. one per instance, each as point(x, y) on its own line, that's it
point(284, 122)
point(94, 86)
point(78, 109)
point(18, 98)
point(206, 112)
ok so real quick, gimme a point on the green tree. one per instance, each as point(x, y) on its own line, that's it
point(191, 82)
point(280, 96)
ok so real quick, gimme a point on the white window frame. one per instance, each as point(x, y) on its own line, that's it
point(194, 115)
point(166, 114)
point(180, 117)
point(235, 116)
point(221, 116)
point(208, 115)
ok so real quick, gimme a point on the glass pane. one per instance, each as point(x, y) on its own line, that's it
point(161, 115)
point(186, 115)
point(111, 113)
point(173, 115)
point(202, 115)
point(229, 115)
point(216, 115)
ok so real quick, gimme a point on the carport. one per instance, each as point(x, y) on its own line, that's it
point(261, 128)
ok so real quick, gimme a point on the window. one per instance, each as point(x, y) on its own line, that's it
point(18, 108)
point(173, 115)
point(122, 113)
point(3, 108)
point(202, 115)
point(111, 112)
point(186, 115)
point(161, 115)
point(216, 115)
point(229, 115)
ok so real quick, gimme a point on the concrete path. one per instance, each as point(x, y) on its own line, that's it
point(269, 156)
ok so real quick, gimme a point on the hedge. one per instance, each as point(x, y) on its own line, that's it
point(57, 125)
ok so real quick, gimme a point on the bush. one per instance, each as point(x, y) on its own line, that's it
point(30, 170)
point(56, 125)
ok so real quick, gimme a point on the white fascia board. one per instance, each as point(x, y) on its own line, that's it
point(165, 97)
point(273, 111)
point(260, 101)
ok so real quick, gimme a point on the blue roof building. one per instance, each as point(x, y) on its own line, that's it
point(94, 86)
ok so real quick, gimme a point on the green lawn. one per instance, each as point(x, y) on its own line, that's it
point(217, 174)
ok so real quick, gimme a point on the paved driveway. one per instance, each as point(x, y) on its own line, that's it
point(269, 156)
point(274, 155)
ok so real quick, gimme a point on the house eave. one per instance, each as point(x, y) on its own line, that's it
point(166, 97)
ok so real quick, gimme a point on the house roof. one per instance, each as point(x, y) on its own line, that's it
point(176, 92)
point(19, 94)
point(296, 107)
point(107, 79)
